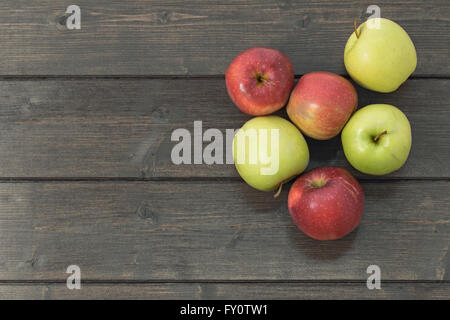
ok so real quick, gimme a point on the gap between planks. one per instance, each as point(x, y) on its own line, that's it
point(151, 77)
point(185, 179)
point(194, 281)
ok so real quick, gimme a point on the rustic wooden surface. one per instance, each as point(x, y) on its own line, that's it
point(86, 176)
point(122, 128)
point(224, 290)
point(198, 37)
point(207, 230)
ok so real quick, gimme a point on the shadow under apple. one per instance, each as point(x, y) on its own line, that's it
point(322, 250)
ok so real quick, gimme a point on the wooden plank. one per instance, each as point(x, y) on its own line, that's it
point(175, 37)
point(212, 291)
point(214, 231)
point(122, 128)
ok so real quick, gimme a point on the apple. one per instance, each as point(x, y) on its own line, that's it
point(268, 151)
point(326, 203)
point(377, 139)
point(321, 104)
point(259, 80)
point(380, 55)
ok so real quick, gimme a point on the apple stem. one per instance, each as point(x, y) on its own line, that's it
point(279, 191)
point(379, 135)
point(356, 28)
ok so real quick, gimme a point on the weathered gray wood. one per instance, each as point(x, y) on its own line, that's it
point(214, 231)
point(122, 128)
point(205, 230)
point(198, 37)
point(205, 291)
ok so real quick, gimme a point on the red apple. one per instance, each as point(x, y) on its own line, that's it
point(326, 203)
point(259, 80)
point(321, 103)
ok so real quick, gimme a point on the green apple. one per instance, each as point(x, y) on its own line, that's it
point(268, 151)
point(381, 56)
point(377, 139)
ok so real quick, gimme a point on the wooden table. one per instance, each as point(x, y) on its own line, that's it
point(86, 176)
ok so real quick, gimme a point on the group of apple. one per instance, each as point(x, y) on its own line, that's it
point(326, 203)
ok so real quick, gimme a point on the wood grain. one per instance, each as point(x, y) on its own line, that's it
point(86, 118)
point(214, 231)
point(213, 291)
point(122, 128)
point(175, 37)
